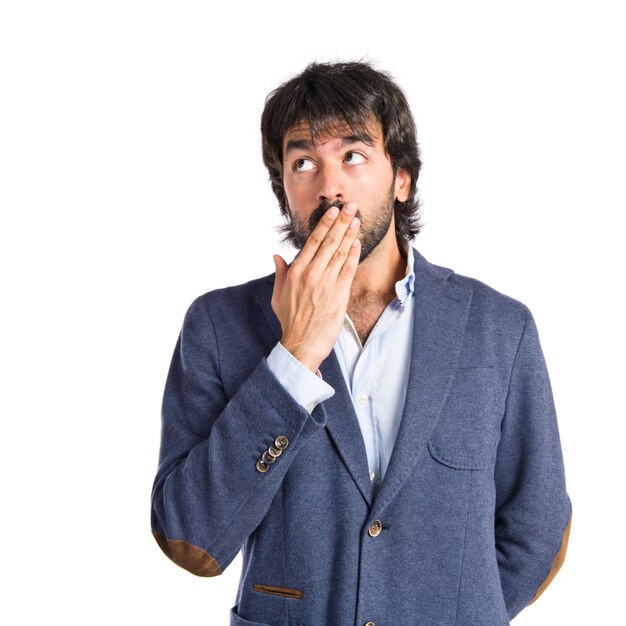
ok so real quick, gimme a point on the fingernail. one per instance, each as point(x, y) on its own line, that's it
point(333, 211)
point(354, 223)
point(350, 208)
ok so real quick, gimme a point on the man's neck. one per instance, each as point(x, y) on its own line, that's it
point(376, 276)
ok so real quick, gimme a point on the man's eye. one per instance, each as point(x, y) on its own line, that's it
point(355, 158)
point(303, 165)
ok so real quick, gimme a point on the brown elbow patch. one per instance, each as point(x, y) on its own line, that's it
point(557, 563)
point(285, 592)
point(190, 557)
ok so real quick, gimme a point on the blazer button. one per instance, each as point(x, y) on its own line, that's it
point(281, 442)
point(274, 451)
point(268, 458)
point(370, 624)
point(374, 530)
point(262, 466)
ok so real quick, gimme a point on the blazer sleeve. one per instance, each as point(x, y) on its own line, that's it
point(533, 510)
point(208, 495)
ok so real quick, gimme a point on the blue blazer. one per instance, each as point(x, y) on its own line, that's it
point(471, 522)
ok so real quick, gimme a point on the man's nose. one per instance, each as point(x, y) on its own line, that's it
point(332, 184)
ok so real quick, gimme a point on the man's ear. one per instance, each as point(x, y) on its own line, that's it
point(402, 185)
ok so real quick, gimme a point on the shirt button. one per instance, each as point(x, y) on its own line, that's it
point(347, 326)
point(362, 398)
point(375, 527)
point(372, 475)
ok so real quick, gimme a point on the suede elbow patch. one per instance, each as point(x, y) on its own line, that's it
point(189, 557)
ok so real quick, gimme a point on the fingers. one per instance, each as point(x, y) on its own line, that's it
point(349, 267)
point(329, 243)
point(317, 236)
point(344, 259)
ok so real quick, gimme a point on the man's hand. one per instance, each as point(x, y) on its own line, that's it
point(311, 297)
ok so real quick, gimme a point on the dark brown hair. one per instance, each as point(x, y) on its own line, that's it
point(327, 96)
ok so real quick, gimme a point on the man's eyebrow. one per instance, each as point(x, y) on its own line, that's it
point(305, 144)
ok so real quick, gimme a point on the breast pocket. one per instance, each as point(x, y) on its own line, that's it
point(467, 432)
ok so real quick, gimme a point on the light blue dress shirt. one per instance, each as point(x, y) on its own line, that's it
point(376, 374)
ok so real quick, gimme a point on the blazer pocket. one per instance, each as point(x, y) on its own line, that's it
point(237, 620)
point(467, 432)
point(285, 592)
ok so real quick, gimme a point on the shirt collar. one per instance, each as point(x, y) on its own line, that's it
point(405, 286)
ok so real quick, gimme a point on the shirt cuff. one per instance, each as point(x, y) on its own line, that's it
point(305, 387)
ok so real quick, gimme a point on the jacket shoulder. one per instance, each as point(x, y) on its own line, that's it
point(235, 295)
point(484, 297)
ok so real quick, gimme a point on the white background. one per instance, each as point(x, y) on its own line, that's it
point(131, 182)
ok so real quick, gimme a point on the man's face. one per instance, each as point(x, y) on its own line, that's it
point(340, 168)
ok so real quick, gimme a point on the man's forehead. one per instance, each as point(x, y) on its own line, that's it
point(337, 130)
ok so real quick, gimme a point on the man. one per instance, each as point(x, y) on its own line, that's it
point(287, 396)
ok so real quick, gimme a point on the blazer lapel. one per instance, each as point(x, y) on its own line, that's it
point(343, 425)
point(441, 313)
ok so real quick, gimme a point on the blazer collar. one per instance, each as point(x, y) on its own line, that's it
point(441, 312)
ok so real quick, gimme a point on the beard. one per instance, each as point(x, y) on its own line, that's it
point(371, 232)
